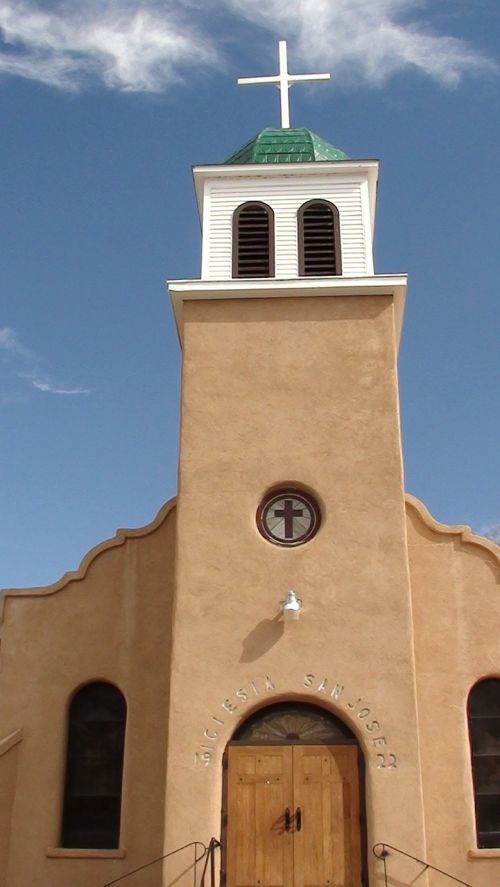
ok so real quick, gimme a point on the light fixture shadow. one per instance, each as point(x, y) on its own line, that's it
point(260, 639)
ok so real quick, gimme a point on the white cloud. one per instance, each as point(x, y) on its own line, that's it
point(366, 40)
point(43, 384)
point(493, 533)
point(23, 364)
point(8, 399)
point(127, 45)
point(146, 45)
point(10, 344)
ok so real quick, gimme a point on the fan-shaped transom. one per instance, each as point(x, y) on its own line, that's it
point(292, 723)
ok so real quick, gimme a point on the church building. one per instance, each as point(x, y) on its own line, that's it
point(291, 676)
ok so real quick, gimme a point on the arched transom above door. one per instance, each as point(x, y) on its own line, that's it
point(292, 808)
point(292, 723)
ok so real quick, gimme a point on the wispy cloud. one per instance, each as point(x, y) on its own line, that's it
point(493, 532)
point(10, 344)
point(368, 40)
point(148, 45)
point(127, 45)
point(22, 364)
point(7, 399)
point(46, 385)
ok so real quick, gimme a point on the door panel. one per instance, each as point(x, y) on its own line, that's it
point(259, 849)
point(320, 787)
point(327, 851)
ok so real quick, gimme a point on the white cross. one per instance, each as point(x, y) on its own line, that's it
point(283, 81)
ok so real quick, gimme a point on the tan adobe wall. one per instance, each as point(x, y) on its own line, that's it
point(455, 579)
point(9, 757)
point(111, 620)
point(292, 391)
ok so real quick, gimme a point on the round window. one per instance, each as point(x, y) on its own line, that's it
point(288, 517)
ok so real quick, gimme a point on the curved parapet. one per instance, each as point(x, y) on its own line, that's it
point(111, 623)
point(77, 575)
point(455, 609)
point(462, 531)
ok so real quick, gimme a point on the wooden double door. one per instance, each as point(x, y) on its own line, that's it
point(293, 816)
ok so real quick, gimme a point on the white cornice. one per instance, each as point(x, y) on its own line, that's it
point(270, 288)
point(366, 168)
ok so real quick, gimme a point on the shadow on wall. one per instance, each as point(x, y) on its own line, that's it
point(264, 636)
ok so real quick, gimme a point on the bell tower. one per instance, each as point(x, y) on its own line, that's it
point(290, 419)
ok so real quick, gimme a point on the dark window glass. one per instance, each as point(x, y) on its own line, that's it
point(253, 241)
point(94, 766)
point(319, 239)
point(484, 734)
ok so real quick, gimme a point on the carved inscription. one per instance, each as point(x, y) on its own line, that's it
point(255, 688)
point(388, 762)
point(361, 710)
point(358, 708)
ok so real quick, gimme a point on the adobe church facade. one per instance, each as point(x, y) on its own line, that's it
point(172, 690)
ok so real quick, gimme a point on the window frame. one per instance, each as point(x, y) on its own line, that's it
point(288, 493)
point(72, 765)
point(482, 842)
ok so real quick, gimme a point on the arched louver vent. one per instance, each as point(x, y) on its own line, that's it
point(253, 241)
point(319, 239)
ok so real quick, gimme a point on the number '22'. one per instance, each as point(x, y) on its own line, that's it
point(386, 762)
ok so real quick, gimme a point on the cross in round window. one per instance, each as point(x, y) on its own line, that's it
point(288, 517)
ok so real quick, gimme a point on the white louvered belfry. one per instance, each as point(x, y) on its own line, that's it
point(349, 185)
point(316, 204)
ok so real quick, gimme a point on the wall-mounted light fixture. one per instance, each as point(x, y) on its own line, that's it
point(291, 607)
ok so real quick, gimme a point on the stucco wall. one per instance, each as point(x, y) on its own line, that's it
point(280, 391)
point(9, 757)
point(274, 392)
point(109, 621)
point(456, 604)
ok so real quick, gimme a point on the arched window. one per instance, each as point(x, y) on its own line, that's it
point(484, 734)
point(253, 240)
point(94, 766)
point(319, 239)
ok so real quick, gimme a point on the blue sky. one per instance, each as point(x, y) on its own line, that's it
point(105, 107)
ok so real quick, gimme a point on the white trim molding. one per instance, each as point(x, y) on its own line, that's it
point(393, 285)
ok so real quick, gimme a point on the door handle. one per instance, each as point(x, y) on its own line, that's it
point(298, 819)
point(288, 819)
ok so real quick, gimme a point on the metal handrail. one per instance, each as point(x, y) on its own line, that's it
point(381, 851)
point(210, 857)
point(146, 865)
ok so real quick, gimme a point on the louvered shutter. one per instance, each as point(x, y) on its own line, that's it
point(319, 240)
point(253, 241)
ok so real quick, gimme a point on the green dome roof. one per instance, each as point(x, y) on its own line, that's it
point(286, 146)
